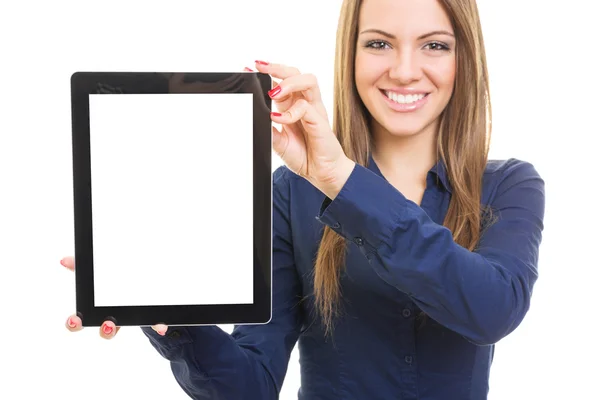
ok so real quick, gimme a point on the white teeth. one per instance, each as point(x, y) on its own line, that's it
point(402, 99)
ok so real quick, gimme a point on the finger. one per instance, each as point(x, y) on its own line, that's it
point(281, 141)
point(68, 263)
point(73, 323)
point(108, 330)
point(305, 83)
point(279, 144)
point(275, 83)
point(302, 111)
point(161, 329)
point(278, 71)
point(282, 105)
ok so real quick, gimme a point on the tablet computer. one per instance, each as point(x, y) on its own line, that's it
point(172, 197)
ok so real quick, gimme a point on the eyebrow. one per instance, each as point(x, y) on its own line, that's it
point(389, 35)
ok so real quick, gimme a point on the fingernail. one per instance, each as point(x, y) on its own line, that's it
point(275, 91)
point(276, 114)
point(107, 329)
point(261, 62)
point(71, 323)
point(248, 69)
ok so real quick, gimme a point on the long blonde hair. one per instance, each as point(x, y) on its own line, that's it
point(463, 138)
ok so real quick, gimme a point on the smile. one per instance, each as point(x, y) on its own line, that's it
point(405, 103)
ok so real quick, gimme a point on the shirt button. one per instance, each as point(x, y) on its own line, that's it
point(408, 359)
point(406, 313)
point(358, 241)
point(336, 226)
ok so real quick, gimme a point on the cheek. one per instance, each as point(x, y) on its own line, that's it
point(368, 70)
point(442, 74)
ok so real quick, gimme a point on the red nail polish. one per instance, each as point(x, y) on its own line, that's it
point(71, 323)
point(107, 330)
point(261, 62)
point(276, 114)
point(247, 69)
point(275, 91)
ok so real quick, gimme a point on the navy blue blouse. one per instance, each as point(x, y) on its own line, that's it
point(401, 261)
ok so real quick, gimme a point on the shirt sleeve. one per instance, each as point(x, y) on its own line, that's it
point(251, 363)
point(482, 295)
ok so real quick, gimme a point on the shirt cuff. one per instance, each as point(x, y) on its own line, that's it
point(365, 211)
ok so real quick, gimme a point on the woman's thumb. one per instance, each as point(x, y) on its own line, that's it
point(160, 329)
point(279, 142)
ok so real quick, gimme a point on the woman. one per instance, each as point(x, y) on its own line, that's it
point(423, 254)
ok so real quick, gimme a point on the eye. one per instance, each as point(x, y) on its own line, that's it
point(437, 46)
point(377, 44)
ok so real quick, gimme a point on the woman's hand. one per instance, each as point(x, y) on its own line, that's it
point(108, 330)
point(306, 142)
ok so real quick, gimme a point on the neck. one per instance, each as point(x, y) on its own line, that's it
point(408, 158)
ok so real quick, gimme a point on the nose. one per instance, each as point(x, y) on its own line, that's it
point(406, 68)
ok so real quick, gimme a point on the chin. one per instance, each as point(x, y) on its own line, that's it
point(403, 130)
point(403, 126)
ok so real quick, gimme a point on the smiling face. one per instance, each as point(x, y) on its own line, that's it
point(405, 64)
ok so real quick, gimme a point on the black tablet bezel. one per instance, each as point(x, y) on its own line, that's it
point(85, 83)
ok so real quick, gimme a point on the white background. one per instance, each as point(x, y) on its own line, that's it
point(545, 96)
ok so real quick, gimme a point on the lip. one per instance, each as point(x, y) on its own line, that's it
point(405, 107)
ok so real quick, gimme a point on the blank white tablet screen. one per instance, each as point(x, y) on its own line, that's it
point(172, 199)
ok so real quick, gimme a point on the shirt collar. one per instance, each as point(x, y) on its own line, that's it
point(439, 172)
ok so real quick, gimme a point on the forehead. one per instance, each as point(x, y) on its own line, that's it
point(404, 17)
